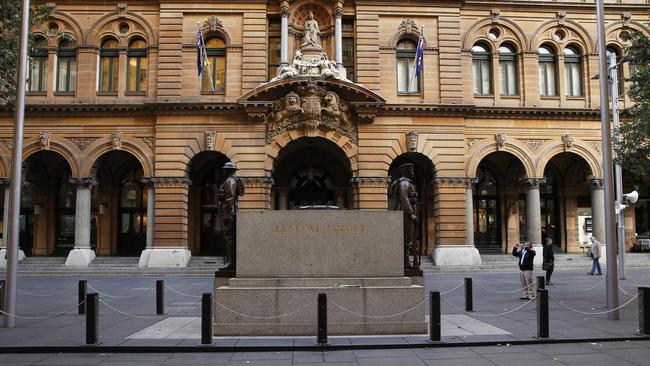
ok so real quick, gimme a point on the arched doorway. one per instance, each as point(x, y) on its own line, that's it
point(206, 234)
point(47, 206)
point(424, 171)
point(119, 200)
point(499, 203)
point(312, 171)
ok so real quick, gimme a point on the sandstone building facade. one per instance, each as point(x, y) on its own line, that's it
point(502, 124)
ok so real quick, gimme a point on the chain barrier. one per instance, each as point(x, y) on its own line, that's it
point(453, 289)
point(503, 292)
point(263, 317)
point(45, 295)
point(119, 297)
point(590, 288)
point(376, 316)
point(43, 317)
point(594, 313)
point(145, 316)
point(488, 315)
point(182, 293)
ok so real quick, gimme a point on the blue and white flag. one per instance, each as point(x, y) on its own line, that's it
point(419, 54)
point(199, 53)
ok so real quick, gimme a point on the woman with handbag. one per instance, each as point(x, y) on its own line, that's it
point(548, 260)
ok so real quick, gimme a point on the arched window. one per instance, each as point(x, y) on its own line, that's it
point(406, 80)
point(214, 78)
point(38, 66)
point(547, 74)
point(621, 78)
point(572, 72)
point(66, 66)
point(136, 73)
point(482, 69)
point(108, 66)
point(508, 70)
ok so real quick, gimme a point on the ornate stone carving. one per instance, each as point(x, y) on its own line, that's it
point(371, 182)
point(450, 182)
point(597, 145)
point(469, 182)
point(533, 182)
point(495, 13)
point(408, 26)
point(626, 17)
point(148, 141)
point(338, 13)
point(568, 141)
point(285, 12)
point(44, 140)
point(116, 138)
point(500, 139)
point(83, 182)
point(471, 142)
point(561, 17)
point(213, 24)
point(412, 141)
point(597, 183)
point(311, 35)
point(533, 144)
point(313, 107)
point(257, 182)
point(81, 142)
point(7, 143)
point(314, 66)
point(121, 9)
point(210, 137)
point(171, 182)
point(51, 8)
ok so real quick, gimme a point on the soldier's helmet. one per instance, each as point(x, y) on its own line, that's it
point(229, 166)
point(405, 167)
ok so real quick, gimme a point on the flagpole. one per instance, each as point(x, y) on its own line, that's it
point(205, 59)
point(415, 62)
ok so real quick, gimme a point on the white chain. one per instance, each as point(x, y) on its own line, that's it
point(595, 313)
point(376, 316)
point(47, 295)
point(148, 317)
point(263, 317)
point(119, 297)
point(489, 315)
point(452, 290)
point(42, 317)
point(182, 293)
point(503, 292)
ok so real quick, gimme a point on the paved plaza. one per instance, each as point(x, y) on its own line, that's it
point(501, 330)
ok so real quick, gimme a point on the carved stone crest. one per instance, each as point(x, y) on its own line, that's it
point(213, 24)
point(312, 107)
point(409, 26)
point(495, 13)
point(44, 140)
point(121, 9)
point(412, 141)
point(568, 141)
point(82, 142)
point(500, 139)
point(210, 137)
point(116, 139)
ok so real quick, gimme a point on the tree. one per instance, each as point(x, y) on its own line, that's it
point(632, 138)
point(9, 44)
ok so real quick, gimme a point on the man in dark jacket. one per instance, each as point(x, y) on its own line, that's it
point(548, 264)
point(525, 255)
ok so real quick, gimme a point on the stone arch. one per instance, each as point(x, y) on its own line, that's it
point(322, 13)
point(102, 146)
point(108, 25)
point(407, 29)
point(580, 36)
point(514, 147)
point(281, 141)
point(222, 145)
point(70, 26)
point(514, 35)
point(579, 147)
point(213, 27)
point(62, 147)
point(612, 33)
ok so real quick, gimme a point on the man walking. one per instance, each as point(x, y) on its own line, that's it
point(594, 252)
point(525, 255)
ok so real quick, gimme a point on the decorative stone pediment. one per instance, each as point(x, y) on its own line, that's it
point(312, 104)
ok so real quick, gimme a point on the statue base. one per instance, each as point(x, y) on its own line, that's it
point(452, 255)
point(3, 257)
point(80, 257)
point(309, 52)
point(165, 258)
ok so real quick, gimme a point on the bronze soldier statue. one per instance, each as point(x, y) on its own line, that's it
point(407, 200)
point(231, 189)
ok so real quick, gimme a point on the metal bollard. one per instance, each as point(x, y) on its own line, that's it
point(92, 318)
point(321, 337)
point(160, 297)
point(206, 319)
point(469, 296)
point(644, 310)
point(3, 287)
point(542, 313)
point(541, 282)
point(434, 317)
point(83, 290)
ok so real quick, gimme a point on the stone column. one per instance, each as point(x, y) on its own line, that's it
point(144, 256)
point(338, 36)
point(283, 199)
point(82, 254)
point(598, 209)
point(534, 216)
point(284, 36)
point(469, 212)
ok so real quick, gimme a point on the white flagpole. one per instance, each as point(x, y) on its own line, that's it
point(415, 62)
point(205, 60)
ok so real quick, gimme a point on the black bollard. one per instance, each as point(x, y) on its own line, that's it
point(3, 286)
point(469, 296)
point(92, 318)
point(434, 317)
point(83, 290)
point(160, 297)
point(321, 337)
point(206, 319)
point(542, 313)
point(541, 282)
point(644, 310)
